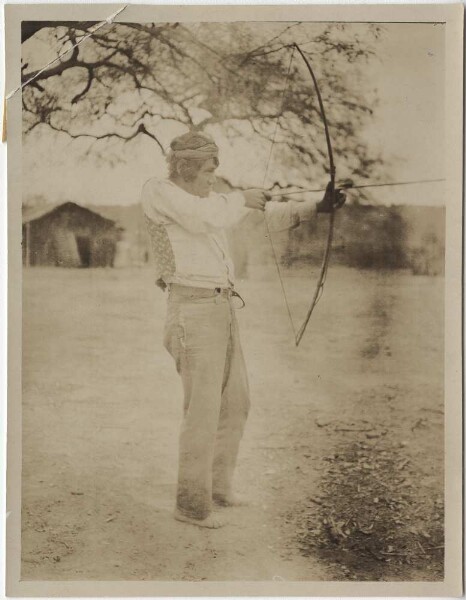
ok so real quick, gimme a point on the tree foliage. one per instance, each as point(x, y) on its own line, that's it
point(132, 79)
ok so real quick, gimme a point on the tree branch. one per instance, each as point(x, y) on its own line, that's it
point(87, 87)
point(56, 70)
point(140, 129)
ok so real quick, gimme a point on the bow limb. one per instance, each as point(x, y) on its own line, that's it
point(325, 261)
point(322, 276)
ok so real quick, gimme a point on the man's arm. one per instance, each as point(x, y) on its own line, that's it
point(286, 215)
point(197, 215)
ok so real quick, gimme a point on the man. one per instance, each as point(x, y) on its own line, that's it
point(187, 222)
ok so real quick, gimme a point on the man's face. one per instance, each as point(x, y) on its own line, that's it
point(202, 184)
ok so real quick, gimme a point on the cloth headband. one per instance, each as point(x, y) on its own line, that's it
point(204, 152)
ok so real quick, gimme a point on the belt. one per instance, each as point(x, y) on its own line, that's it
point(194, 293)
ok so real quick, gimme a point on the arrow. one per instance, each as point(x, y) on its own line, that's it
point(350, 186)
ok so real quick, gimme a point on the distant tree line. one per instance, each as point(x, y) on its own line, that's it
point(375, 237)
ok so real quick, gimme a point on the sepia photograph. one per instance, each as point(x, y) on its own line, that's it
point(235, 236)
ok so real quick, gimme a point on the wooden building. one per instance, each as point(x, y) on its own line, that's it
point(68, 235)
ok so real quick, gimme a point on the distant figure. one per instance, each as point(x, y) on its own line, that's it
point(187, 222)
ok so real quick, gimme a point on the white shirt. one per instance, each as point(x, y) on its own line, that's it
point(188, 233)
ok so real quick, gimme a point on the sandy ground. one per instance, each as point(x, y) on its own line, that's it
point(102, 408)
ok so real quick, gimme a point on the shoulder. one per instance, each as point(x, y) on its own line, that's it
point(156, 184)
point(152, 191)
point(155, 190)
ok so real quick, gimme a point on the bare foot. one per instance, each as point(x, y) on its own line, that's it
point(211, 522)
point(229, 500)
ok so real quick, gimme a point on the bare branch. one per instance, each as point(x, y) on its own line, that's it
point(56, 70)
point(87, 87)
point(125, 138)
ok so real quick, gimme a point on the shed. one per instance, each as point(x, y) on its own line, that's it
point(68, 235)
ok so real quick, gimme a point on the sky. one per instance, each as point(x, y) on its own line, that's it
point(408, 129)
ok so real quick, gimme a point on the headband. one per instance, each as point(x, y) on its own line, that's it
point(204, 152)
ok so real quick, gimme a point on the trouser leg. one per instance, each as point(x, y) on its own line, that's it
point(197, 337)
point(233, 414)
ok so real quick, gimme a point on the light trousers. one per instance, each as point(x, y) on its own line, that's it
point(202, 336)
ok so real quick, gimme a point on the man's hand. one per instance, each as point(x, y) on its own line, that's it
point(325, 205)
point(256, 198)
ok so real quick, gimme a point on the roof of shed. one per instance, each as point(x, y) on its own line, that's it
point(33, 213)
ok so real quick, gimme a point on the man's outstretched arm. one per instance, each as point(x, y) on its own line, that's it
point(287, 215)
point(195, 214)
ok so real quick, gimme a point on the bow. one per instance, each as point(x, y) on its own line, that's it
point(298, 334)
point(325, 261)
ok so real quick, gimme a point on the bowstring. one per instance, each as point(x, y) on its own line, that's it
point(268, 234)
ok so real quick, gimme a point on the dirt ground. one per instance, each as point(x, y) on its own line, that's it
point(102, 408)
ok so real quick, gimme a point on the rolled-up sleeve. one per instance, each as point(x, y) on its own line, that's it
point(287, 215)
point(195, 214)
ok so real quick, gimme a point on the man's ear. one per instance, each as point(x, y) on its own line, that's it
point(181, 167)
